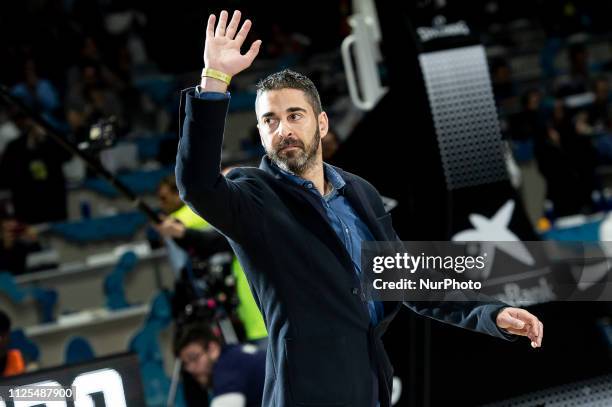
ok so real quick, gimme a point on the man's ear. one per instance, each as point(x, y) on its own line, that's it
point(214, 350)
point(323, 124)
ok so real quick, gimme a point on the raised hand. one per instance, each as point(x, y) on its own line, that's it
point(222, 47)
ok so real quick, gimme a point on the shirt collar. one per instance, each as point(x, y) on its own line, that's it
point(330, 173)
point(333, 176)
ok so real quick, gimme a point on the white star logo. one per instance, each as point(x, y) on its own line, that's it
point(493, 233)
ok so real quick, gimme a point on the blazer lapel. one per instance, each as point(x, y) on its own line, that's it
point(356, 197)
point(359, 200)
point(309, 202)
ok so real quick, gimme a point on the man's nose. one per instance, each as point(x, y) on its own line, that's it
point(284, 129)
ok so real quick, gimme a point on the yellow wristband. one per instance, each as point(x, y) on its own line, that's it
point(213, 73)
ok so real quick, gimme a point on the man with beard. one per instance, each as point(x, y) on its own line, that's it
point(296, 224)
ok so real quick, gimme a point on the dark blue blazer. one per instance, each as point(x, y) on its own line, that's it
point(322, 348)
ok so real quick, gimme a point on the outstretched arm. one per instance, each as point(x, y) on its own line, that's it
point(226, 204)
point(494, 318)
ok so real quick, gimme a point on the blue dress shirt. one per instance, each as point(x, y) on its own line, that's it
point(351, 230)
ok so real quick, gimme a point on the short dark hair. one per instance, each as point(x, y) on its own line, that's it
point(194, 333)
point(288, 79)
point(5, 323)
point(170, 182)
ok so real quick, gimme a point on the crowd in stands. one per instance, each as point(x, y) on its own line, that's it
point(79, 63)
point(550, 78)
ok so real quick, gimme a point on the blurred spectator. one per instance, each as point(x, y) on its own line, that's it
point(17, 240)
point(11, 360)
point(168, 195)
point(128, 24)
point(566, 160)
point(31, 168)
point(501, 78)
point(526, 126)
point(89, 55)
point(184, 226)
point(595, 119)
point(232, 374)
point(529, 123)
point(90, 101)
point(599, 112)
point(39, 94)
point(577, 80)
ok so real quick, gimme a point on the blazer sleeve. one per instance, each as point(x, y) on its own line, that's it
point(475, 316)
point(229, 203)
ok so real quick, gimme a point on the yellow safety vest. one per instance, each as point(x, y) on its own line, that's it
point(190, 219)
point(248, 312)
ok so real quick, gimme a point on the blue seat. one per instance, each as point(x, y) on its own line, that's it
point(146, 345)
point(45, 298)
point(121, 226)
point(140, 182)
point(78, 350)
point(29, 350)
point(10, 288)
point(114, 281)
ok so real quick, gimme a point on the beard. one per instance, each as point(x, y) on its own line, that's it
point(298, 160)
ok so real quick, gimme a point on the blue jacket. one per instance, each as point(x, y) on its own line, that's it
point(322, 347)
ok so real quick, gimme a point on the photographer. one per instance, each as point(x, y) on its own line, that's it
point(200, 241)
point(233, 375)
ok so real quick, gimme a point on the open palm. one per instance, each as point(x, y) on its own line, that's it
point(222, 47)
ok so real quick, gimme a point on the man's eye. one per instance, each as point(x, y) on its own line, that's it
point(294, 116)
